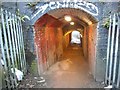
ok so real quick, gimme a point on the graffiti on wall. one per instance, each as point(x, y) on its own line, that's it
point(44, 7)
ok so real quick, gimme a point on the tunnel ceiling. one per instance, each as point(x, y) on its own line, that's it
point(78, 16)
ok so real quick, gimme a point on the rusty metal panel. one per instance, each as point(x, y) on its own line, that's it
point(46, 41)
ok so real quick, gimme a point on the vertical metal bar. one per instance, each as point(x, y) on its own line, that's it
point(7, 48)
point(13, 42)
point(22, 43)
point(20, 33)
point(118, 80)
point(16, 45)
point(112, 49)
point(108, 52)
point(10, 45)
point(116, 53)
point(18, 42)
point(3, 51)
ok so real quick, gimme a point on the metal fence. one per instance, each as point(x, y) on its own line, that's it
point(113, 53)
point(12, 48)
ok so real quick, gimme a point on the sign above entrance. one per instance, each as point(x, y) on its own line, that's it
point(43, 7)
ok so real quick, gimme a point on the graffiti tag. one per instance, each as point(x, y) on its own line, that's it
point(86, 6)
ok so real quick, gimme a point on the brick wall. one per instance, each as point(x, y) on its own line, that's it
point(102, 35)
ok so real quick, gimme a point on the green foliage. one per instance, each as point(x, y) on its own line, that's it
point(106, 23)
point(25, 17)
point(22, 17)
point(31, 4)
point(33, 67)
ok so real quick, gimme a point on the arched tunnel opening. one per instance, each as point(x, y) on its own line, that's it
point(54, 47)
point(39, 45)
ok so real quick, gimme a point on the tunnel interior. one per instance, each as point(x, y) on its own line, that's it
point(53, 36)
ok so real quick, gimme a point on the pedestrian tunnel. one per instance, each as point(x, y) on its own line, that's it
point(53, 35)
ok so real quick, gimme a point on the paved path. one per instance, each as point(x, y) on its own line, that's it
point(71, 71)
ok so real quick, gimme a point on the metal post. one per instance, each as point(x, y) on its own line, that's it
point(116, 53)
point(20, 45)
point(118, 80)
point(7, 50)
point(3, 50)
point(10, 46)
point(16, 43)
point(21, 32)
point(112, 49)
point(13, 39)
point(108, 52)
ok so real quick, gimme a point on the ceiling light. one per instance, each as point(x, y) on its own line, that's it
point(67, 18)
point(72, 23)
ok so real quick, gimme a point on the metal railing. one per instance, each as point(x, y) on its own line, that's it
point(12, 47)
point(112, 77)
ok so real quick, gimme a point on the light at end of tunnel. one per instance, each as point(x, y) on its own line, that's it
point(67, 18)
point(72, 23)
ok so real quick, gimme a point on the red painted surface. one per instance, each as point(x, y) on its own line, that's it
point(48, 40)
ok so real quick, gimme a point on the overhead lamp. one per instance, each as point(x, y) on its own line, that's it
point(67, 18)
point(72, 23)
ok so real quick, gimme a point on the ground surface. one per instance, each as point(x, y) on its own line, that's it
point(71, 72)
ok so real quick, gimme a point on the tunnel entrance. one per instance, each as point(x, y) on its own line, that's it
point(53, 36)
point(52, 39)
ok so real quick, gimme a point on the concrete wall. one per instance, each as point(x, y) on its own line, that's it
point(48, 41)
